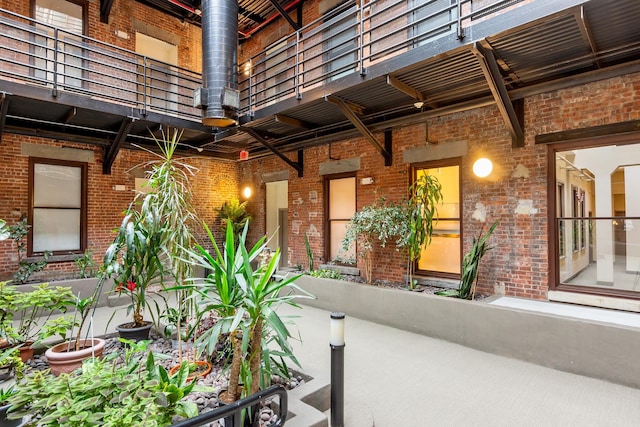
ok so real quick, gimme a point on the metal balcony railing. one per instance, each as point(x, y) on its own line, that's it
point(351, 38)
point(344, 41)
point(232, 414)
point(39, 54)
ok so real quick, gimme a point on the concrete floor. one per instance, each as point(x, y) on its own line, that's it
point(397, 378)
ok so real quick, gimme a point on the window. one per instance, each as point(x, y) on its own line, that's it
point(57, 211)
point(601, 230)
point(341, 205)
point(340, 47)
point(443, 256)
point(69, 18)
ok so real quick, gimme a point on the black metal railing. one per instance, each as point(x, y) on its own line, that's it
point(344, 41)
point(232, 413)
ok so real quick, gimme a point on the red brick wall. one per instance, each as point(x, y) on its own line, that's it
point(519, 260)
point(214, 183)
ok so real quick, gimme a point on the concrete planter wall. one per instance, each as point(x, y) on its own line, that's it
point(591, 348)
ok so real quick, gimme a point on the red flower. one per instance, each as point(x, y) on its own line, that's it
point(131, 285)
point(119, 288)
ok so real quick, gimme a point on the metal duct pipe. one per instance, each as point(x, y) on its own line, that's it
point(219, 97)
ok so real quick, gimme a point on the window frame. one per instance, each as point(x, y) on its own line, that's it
point(327, 220)
point(83, 204)
point(554, 283)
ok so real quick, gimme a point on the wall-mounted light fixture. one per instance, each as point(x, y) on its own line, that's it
point(247, 192)
point(482, 167)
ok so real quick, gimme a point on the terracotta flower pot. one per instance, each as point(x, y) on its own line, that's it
point(61, 360)
point(203, 370)
point(26, 351)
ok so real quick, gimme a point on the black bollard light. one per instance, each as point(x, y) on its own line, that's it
point(336, 342)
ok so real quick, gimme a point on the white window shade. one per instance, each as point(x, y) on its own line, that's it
point(56, 229)
point(58, 186)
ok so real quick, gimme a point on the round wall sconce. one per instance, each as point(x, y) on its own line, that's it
point(482, 167)
point(246, 192)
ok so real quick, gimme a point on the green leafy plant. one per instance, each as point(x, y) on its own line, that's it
point(6, 394)
point(85, 264)
point(236, 213)
point(425, 195)
point(17, 233)
point(245, 298)
point(470, 266)
point(379, 223)
point(30, 310)
point(114, 391)
point(326, 274)
point(309, 252)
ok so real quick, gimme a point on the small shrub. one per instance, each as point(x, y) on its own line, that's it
point(326, 274)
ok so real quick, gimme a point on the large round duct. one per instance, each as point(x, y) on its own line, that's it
point(219, 97)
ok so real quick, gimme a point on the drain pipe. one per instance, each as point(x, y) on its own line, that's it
point(219, 97)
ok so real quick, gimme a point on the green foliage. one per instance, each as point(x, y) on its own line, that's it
point(245, 299)
point(425, 196)
point(34, 308)
point(114, 391)
point(379, 223)
point(6, 393)
point(326, 274)
point(309, 252)
point(470, 265)
point(85, 264)
point(236, 213)
point(17, 233)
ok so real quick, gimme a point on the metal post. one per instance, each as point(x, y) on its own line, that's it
point(337, 345)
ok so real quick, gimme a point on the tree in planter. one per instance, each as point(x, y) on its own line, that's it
point(425, 194)
point(245, 300)
point(161, 234)
point(470, 266)
point(378, 223)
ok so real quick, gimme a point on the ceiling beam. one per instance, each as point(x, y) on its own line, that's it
point(585, 32)
point(299, 165)
point(404, 88)
point(285, 15)
point(111, 151)
point(491, 72)
point(105, 10)
point(355, 120)
point(4, 107)
point(281, 118)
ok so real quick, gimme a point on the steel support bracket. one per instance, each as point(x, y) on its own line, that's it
point(112, 150)
point(298, 166)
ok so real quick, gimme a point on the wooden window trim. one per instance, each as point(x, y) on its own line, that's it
point(83, 203)
point(327, 222)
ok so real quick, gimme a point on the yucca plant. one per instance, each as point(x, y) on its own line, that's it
point(470, 266)
point(245, 299)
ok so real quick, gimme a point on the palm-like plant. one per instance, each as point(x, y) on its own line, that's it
point(245, 299)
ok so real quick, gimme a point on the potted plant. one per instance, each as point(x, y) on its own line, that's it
point(33, 313)
point(134, 260)
point(123, 390)
point(68, 356)
point(245, 298)
point(153, 242)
